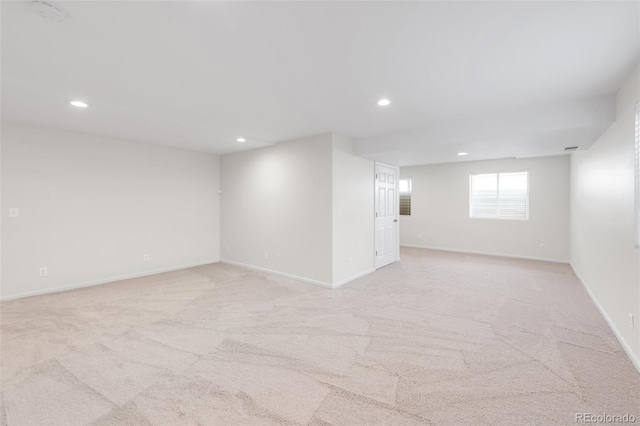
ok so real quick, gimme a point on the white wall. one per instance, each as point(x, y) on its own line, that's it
point(279, 200)
point(602, 218)
point(353, 212)
point(91, 207)
point(308, 203)
point(440, 210)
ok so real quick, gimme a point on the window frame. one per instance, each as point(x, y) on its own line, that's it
point(400, 194)
point(498, 173)
point(637, 177)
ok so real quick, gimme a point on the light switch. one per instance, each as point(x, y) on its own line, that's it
point(14, 212)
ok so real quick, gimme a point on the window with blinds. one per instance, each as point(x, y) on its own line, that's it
point(404, 190)
point(637, 170)
point(499, 196)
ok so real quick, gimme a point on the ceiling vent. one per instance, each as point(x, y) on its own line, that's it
point(571, 148)
point(48, 10)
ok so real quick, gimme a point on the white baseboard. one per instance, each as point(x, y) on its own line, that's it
point(353, 277)
point(485, 253)
point(634, 358)
point(282, 274)
point(107, 280)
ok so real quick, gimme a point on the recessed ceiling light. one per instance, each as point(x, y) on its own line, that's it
point(462, 153)
point(384, 102)
point(241, 140)
point(79, 104)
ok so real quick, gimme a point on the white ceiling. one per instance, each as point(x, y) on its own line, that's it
point(496, 79)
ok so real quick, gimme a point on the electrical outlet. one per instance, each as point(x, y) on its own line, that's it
point(543, 246)
point(14, 212)
point(632, 320)
point(351, 260)
point(419, 236)
point(226, 248)
point(266, 255)
point(278, 257)
point(43, 271)
point(146, 257)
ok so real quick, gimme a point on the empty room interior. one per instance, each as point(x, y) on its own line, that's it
point(320, 213)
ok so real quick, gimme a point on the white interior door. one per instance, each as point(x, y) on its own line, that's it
point(386, 199)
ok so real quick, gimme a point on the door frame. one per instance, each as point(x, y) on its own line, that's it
point(375, 206)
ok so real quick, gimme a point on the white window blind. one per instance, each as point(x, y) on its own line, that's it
point(499, 196)
point(637, 170)
point(404, 186)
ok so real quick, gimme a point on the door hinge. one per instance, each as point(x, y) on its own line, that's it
point(376, 252)
point(376, 214)
point(376, 176)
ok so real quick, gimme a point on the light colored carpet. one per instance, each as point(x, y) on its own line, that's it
point(439, 338)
